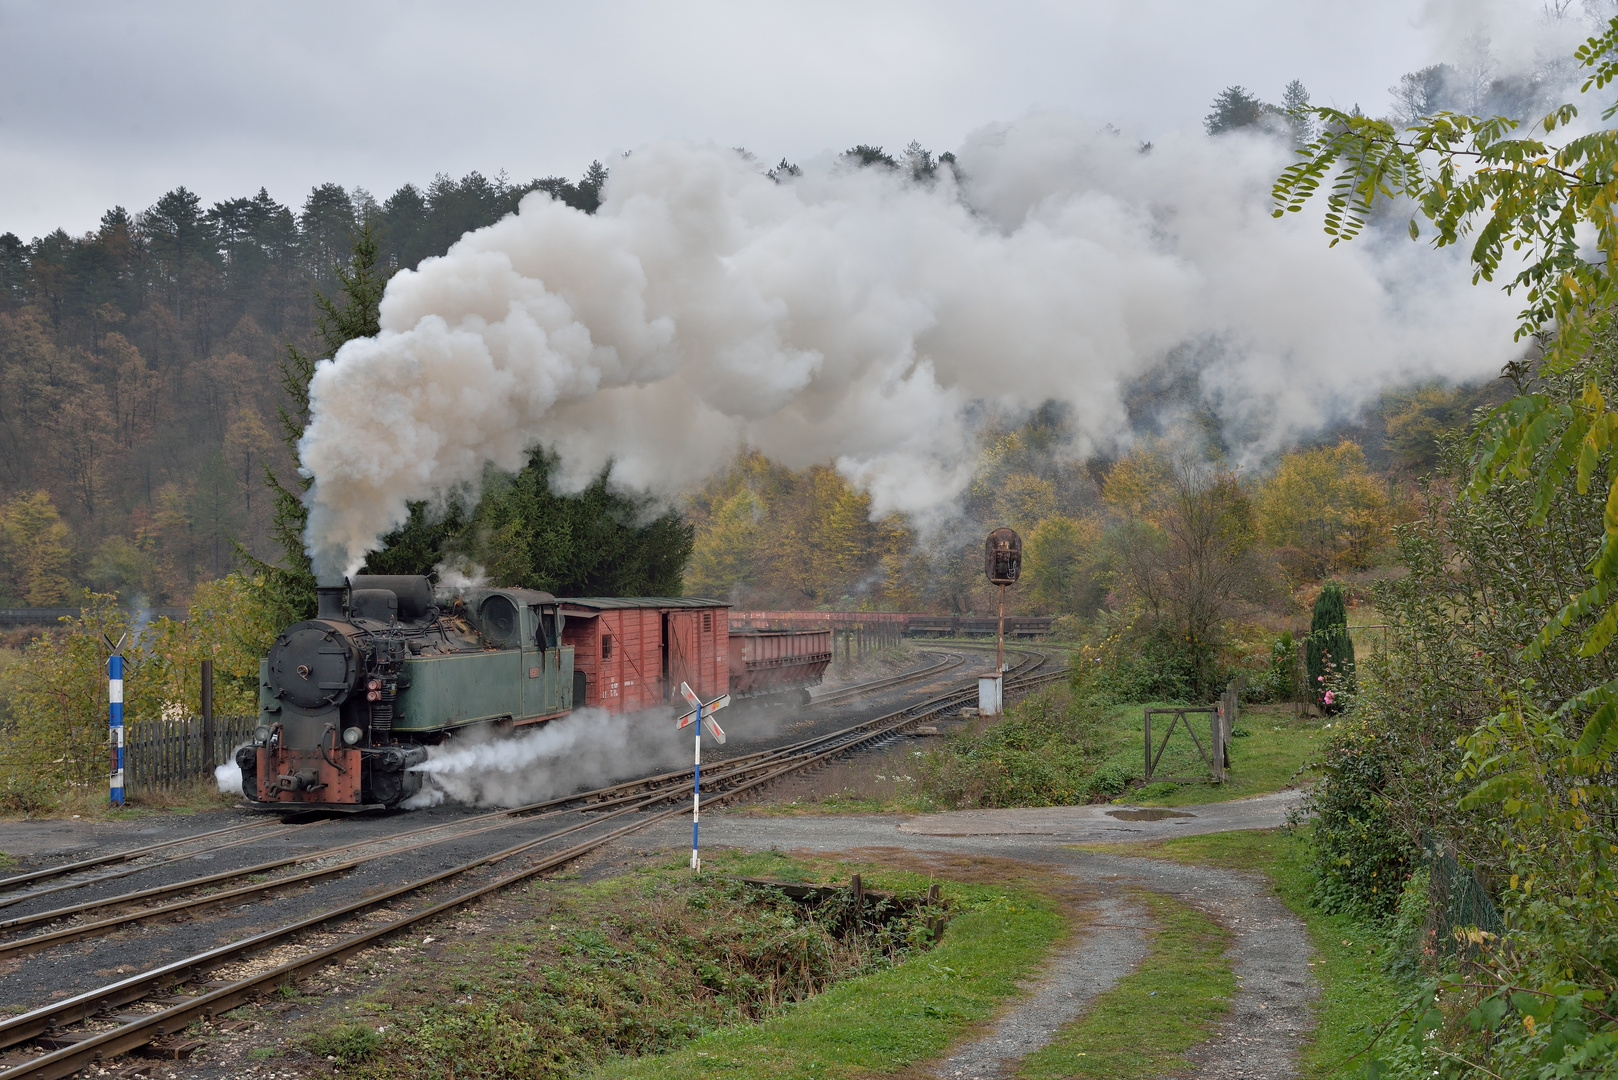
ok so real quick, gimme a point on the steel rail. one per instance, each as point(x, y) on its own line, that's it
point(33, 943)
point(118, 856)
point(68, 886)
point(134, 853)
point(848, 693)
point(137, 1032)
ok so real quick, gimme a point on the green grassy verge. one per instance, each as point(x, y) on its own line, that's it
point(1054, 750)
point(886, 1020)
point(1356, 995)
point(1277, 745)
point(1143, 1024)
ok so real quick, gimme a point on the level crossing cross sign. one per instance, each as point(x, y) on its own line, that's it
point(702, 715)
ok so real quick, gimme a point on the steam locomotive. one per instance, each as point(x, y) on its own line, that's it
point(350, 700)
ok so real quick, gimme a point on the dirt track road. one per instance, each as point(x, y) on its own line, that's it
point(1272, 1010)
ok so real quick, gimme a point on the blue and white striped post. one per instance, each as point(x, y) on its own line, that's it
point(115, 717)
point(702, 716)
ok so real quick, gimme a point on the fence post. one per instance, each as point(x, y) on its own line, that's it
point(207, 716)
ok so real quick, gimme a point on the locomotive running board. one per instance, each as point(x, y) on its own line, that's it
point(305, 807)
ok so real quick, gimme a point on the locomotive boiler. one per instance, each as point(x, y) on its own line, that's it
point(350, 700)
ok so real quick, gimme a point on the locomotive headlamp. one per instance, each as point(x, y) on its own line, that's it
point(262, 733)
point(373, 695)
point(352, 735)
point(374, 684)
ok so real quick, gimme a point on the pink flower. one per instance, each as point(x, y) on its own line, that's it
point(1328, 698)
point(1320, 678)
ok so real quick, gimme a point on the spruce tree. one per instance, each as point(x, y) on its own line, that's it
point(1329, 659)
point(360, 285)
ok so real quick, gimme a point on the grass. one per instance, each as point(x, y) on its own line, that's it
point(890, 1019)
point(653, 972)
point(840, 802)
point(1053, 750)
point(1141, 1026)
point(1048, 751)
point(90, 803)
point(1278, 744)
point(1356, 995)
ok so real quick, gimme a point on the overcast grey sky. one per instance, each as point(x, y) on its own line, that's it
point(113, 101)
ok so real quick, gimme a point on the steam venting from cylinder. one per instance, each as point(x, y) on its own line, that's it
point(869, 317)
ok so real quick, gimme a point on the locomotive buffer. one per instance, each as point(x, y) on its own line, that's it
point(703, 713)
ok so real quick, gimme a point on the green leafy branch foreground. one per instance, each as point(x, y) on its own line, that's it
point(1489, 732)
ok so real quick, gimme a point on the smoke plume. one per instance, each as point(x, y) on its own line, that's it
point(861, 316)
point(588, 748)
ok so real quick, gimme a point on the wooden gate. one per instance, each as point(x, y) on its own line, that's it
point(1216, 756)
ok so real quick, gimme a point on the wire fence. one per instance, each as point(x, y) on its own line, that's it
point(170, 752)
point(1456, 898)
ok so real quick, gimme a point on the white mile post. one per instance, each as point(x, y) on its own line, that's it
point(702, 716)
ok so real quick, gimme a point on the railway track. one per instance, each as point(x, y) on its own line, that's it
point(875, 686)
point(103, 1031)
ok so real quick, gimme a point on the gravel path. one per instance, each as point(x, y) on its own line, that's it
point(1272, 1009)
point(1113, 944)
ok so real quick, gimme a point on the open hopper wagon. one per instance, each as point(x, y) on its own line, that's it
point(778, 665)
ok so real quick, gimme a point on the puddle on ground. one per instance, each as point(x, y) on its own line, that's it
point(1150, 813)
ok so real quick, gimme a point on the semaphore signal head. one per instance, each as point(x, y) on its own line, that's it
point(1002, 557)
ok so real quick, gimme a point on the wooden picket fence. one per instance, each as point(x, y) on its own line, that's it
point(169, 752)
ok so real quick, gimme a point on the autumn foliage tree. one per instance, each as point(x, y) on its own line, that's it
point(33, 552)
point(1189, 561)
point(1324, 511)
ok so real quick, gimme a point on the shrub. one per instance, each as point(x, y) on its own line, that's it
point(1047, 752)
point(348, 1042)
point(1281, 680)
point(1130, 665)
point(1330, 652)
point(1362, 858)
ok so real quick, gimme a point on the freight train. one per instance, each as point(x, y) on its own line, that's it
point(350, 700)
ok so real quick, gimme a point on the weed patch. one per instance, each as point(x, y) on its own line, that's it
point(886, 1019)
point(630, 966)
point(349, 1042)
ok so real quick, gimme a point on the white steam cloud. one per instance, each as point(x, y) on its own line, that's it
point(588, 748)
point(856, 316)
point(229, 778)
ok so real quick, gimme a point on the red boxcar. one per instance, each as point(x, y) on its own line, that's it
point(632, 652)
point(778, 661)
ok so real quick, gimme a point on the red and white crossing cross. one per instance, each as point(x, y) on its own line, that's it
point(703, 712)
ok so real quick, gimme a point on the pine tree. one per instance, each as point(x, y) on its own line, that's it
point(360, 284)
point(1233, 108)
point(1293, 103)
point(1329, 659)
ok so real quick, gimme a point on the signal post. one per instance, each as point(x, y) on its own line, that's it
point(1002, 565)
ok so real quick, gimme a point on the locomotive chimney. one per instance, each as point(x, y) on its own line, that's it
point(329, 601)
